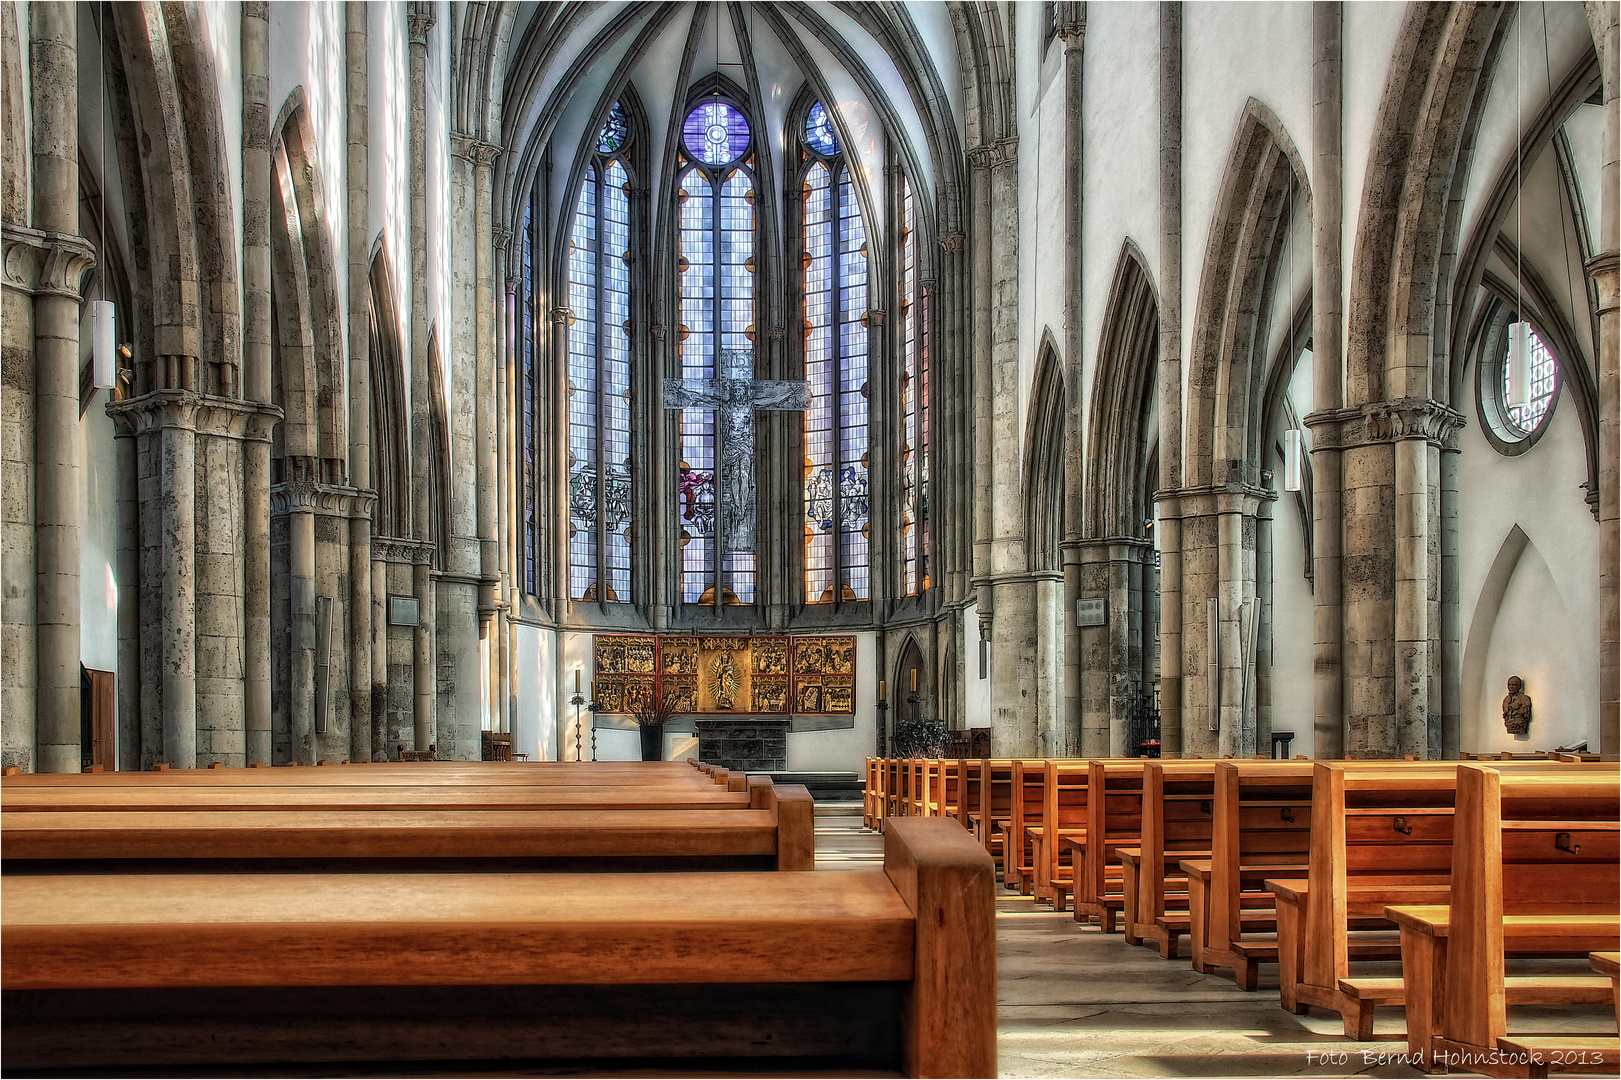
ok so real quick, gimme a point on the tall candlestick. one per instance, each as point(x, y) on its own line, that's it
point(880, 690)
point(576, 680)
point(914, 680)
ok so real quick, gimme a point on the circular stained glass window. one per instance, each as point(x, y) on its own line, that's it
point(615, 131)
point(819, 131)
point(1525, 419)
point(715, 133)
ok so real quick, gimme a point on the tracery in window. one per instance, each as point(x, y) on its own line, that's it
point(914, 399)
point(1524, 420)
point(716, 270)
point(837, 452)
point(599, 293)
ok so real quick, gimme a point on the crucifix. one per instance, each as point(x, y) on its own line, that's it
point(735, 395)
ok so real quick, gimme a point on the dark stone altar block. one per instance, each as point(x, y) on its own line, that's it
point(746, 743)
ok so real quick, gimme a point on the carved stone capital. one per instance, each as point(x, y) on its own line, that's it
point(562, 315)
point(1386, 422)
point(1605, 270)
point(419, 19)
point(776, 333)
point(503, 239)
point(1071, 22)
point(304, 496)
point(479, 153)
point(397, 549)
point(952, 242)
point(184, 410)
point(875, 316)
point(46, 264)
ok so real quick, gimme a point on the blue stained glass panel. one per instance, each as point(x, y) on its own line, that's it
point(615, 131)
point(715, 133)
point(819, 131)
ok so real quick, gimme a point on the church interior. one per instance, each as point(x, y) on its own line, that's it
point(985, 455)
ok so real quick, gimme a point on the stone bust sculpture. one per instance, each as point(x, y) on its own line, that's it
point(1517, 707)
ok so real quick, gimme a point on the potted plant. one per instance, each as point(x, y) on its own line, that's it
point(652, 711)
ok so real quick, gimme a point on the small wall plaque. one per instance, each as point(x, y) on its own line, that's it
point(403, 611)
point(1090, 612)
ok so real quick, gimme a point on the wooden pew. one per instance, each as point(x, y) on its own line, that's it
point(1178, 818)
point(872, 794)
point(91, 798)
point(1063, 830)
point(1114, 816)
point(993, 804)
point(777, 830)
point(390, 774)
point(1384, 837)
point(875, 968)
point(1026, 804)
point(1536, 870)
point(1261, 828)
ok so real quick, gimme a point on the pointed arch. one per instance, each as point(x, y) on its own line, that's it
point(391, 463)
point(908, 658)
point(14, 163)
point(1478, 642)
point(307, 361)
point(1122, 395)
point(1265, 183)
point(1402, 254)
point(1044, 462)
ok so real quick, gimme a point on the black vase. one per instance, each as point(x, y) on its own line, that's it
point(652, 743)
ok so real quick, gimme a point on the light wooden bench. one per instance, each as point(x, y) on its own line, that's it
point(1114, 809)
point(1178, 817)
point(1063, 827)
point(1261, 828)
point(1536, 869)
point(876, 968)
point(1026, 804)
point(776, 831)
point(455, 774)
point(1384, 837)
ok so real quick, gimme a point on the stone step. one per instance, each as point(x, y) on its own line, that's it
point(825, 787)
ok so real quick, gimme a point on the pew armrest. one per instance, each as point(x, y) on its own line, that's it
point(948, 881)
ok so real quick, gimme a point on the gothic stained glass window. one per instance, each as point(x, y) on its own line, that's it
point(715, 267)
point(834, 264)
point(599, 472)
point(914, 398)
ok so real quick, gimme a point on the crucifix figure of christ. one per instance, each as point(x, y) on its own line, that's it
point(736, 395)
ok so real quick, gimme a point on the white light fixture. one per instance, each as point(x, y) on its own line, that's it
point(1519, 365)
point(1291, 460)
point(104, 348)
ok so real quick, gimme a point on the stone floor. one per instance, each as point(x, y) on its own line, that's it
point(1077, 1002)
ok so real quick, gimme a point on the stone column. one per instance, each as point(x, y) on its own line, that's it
point(127, 471)
point(1605, 269)
point(1016, 727)
point(1072, 29)
point(300, 512)
point(53, 68)
point(176, 418)
point(483, 156)
point(363, 683)
point(419, 20)
point(256, 374)
point(1168, 507)
point(1327, 210)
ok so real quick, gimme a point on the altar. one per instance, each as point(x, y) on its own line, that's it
point(756, 744)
